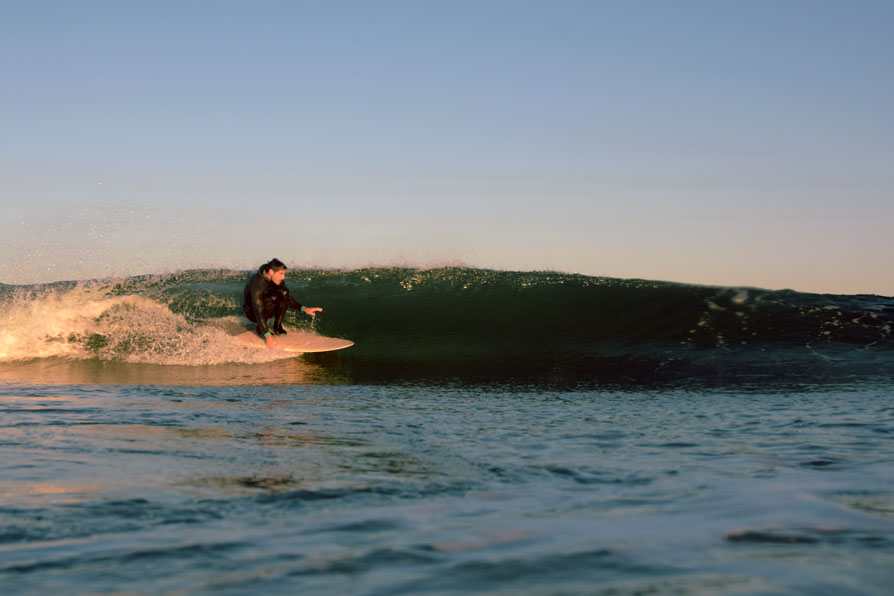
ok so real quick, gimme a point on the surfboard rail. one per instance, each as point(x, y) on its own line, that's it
point(297, 342)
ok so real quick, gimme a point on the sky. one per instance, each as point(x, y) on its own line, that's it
point(721, 142)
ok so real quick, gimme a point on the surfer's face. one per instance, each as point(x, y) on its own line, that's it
point(276, 276)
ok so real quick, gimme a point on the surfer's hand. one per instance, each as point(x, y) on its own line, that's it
point(312, 310)
point(271, 343)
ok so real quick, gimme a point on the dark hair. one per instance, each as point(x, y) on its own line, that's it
point(274, 264)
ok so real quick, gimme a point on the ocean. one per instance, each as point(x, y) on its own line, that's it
point(490, 432)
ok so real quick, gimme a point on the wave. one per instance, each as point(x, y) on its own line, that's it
point(464, 323)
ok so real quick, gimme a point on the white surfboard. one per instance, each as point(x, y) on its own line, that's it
point(298, 342)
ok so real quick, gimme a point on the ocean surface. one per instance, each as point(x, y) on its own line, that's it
point(491, 432)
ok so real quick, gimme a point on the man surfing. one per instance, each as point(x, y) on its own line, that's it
point(267, 296)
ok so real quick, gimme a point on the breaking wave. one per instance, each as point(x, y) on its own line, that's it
point(465, 323)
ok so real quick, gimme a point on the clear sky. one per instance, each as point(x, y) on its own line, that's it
point(705, 141)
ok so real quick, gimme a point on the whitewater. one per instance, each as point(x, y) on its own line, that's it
point(491, 432)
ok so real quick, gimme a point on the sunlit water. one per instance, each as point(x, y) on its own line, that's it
point(297, 488)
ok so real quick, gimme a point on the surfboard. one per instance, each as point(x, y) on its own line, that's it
point(298, 342)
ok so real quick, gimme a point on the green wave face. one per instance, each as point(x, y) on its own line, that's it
point(463, 323)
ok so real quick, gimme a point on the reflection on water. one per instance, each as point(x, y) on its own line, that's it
point(62, 371)
point(55, 492)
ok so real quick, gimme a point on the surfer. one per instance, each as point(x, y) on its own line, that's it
point(267, 296)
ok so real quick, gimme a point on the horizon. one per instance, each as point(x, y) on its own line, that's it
point(425, 267)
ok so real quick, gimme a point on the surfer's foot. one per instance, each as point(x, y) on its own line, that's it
point(279, 330)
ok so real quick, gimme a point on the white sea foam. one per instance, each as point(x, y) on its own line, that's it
point(84, 321)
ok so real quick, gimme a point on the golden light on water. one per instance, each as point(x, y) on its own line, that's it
point(57, 371)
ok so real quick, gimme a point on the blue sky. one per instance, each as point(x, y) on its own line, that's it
point(718, 142)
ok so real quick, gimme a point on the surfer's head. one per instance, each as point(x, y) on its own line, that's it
point(274, 270)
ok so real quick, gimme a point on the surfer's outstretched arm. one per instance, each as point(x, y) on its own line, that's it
point(295, 305)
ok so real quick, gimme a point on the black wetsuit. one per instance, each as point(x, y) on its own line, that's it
point(263, 299)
